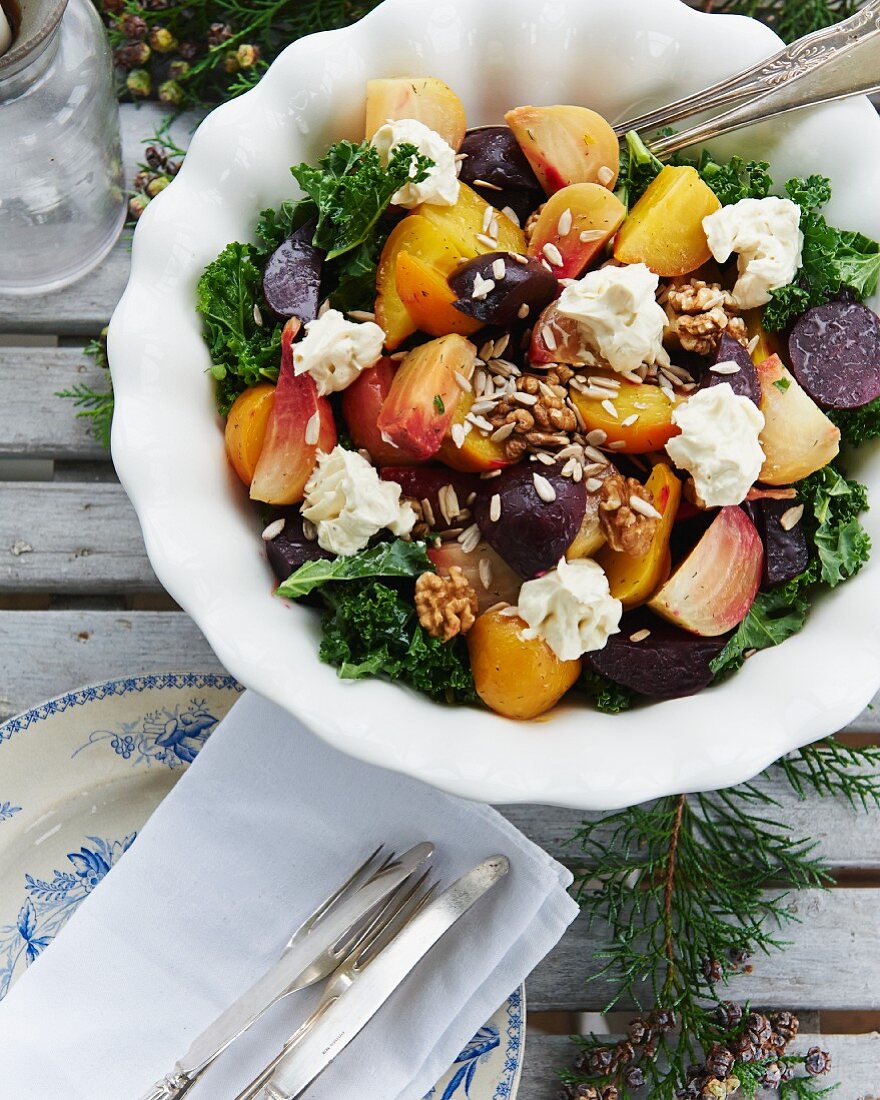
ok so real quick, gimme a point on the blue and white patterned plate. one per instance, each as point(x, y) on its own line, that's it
point(81, 774)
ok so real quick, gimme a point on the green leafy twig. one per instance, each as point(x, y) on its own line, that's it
point(93, 405)
point(682, 890)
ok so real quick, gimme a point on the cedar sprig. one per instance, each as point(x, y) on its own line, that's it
point(200, 53)
point(790, 19)
point(93, 405)
point(684, 889)
point(678, 888)
point(831, 768)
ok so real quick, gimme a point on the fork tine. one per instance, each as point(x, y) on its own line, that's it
point(355, 879)
point(406, 902)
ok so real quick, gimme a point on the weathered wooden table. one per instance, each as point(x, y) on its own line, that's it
point(79, 602)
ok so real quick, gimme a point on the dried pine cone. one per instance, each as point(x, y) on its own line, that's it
point(446, 605)
point(817, 1062)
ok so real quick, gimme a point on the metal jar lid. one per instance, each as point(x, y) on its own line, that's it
point(33, 22)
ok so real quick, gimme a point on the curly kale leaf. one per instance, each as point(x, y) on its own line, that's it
point(386, 559)
point(638, 167)
point(773, 617)
point(859, 425)
point(244, 351)
point(608, 696)
point(350, 190)
point(834, 503)
point(736, 179)
point(371, 630)
point(832, 259)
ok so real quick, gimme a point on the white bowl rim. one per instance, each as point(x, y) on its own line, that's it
point(788, 697)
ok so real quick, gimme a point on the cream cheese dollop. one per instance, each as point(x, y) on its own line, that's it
point(349, 503)
point(571, 608)
point(767, 236)
point(440, 187)
point(335, 350)
point(719, 444)
point(618, 315)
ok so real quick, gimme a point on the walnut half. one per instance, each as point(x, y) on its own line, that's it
point(699, 313)
point(626, 514)
point(446, 605)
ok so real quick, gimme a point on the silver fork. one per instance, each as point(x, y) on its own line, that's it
point(833, 63)
point(398, 911)
point(176, 1085)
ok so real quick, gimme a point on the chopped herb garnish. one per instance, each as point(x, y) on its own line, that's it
point(438, 404)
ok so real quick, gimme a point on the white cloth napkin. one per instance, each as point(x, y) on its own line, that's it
point(263, 826)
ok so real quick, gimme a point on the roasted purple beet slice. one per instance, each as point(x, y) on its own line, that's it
point(786, 554)
point(292, 277)
point(529, 284)
point(531, 532)
point(835, 354)
point(522, 203)
point(665, 664)
point(493, 156)
point(290, 548)
point(431, 483)
point(745, 380)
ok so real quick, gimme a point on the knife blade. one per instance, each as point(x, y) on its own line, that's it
point(353, 1009)
point(292, 968)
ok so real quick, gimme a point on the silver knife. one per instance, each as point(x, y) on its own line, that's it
point(342, 1020)
point(295, 969)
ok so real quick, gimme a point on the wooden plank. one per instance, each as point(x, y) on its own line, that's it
point(71, 538)
point(855, 1061)
point(34, 423)
point(848, 838)
point(85, 307)
point(44, 653)
point(832, 961)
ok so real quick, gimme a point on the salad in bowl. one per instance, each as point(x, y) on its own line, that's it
point(528, 413)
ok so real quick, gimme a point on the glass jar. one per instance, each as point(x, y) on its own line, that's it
point(62, 202)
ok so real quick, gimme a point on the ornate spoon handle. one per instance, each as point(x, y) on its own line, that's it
point(789, 65)
point(853, 71)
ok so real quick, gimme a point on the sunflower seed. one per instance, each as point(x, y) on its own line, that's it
point(313, 429)
point(727, 367)
point(640, 635)
point(274, 529)
point(643, 508)
point(553, 254)
point(495, 508)
point(791, 518)
point(563, 226)
point(544, 489)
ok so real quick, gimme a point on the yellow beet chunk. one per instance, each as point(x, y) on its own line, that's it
point(478, 453)
point(633, 579)
point(421, 240)
point(425, 98)
point(642, 421)
point(429, 299)
point(516, 677)
point(665, 227)
point(463, 223)
point(246, 428)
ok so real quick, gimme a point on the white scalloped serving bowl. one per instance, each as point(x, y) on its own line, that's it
point(618, 56)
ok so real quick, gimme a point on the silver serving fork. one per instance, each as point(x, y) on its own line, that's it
point(832, 63)
point(398, 911)
point(220, 1034)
